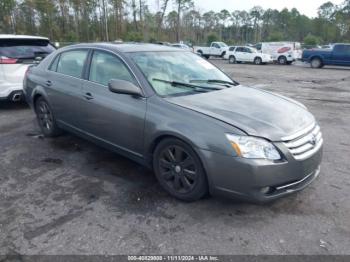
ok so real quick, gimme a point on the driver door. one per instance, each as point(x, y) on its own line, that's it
point(116, 119)
point(215, 49)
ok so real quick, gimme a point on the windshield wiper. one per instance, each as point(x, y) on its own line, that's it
point(195, 87)
point(215, 81)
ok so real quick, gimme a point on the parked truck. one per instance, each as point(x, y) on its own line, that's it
point(217, 49)
point(338, 55)
point(284, 53)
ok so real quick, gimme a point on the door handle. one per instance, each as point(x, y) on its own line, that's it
point(48, 83)
point(88, 96)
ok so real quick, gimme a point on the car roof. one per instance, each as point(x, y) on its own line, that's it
point(127, 47)
point(8, 36)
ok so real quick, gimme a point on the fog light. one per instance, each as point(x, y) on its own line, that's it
point(266, 190)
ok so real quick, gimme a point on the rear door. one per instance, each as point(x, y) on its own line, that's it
point(16, 55)
point(64, 86)
point(116, 119)
point(341, 55)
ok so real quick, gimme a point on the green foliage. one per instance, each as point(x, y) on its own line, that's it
point(212, 38)
point(176, 20)
point(312, 40)
point(275, 37)
point(134, 36)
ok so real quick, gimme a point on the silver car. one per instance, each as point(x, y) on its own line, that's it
point(177, 113)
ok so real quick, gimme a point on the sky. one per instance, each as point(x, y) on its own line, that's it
point(306, 7)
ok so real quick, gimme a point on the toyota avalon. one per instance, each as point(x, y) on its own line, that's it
point(171, 110)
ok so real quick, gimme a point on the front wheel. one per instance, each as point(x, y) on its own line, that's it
point(282, 60)
point(179, 170)
point(46, 120)
point(316, 63)
point(258, 61)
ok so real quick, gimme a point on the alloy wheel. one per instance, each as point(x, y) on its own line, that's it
point(178, 169)
point(45, 116)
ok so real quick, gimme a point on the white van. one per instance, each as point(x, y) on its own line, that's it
point(285, 53)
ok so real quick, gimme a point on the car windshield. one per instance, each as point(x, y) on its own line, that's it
point(253, 50)
point(24, 48)
point(221, 44)
point(180, 73)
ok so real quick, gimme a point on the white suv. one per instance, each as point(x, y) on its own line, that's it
point(17, 52)
point(237, 54)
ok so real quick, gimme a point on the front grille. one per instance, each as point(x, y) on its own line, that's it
point(305, 143)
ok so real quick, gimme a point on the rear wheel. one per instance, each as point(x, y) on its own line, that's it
point(282, 60)
point(258, 61)
point(206, 56)
point(46, 120)
point(179, 170)
point(316, 63)
point(232, 59)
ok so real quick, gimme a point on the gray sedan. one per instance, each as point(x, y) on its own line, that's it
point(175, 112)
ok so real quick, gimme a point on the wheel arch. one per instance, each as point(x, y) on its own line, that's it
point(281, 57)
point(258, 57)
point(38, 92)
point(316, 57)
point(168, 135)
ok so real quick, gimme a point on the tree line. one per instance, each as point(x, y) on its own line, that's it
point(174, 21)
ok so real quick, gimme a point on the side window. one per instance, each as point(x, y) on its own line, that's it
point(239, 49)
point(72, 63)
point(343, 49)
point(105, 67)
point(232, 48)
point(53, 66)
point(216, 45)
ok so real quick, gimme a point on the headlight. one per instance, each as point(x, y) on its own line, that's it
point(253, 148)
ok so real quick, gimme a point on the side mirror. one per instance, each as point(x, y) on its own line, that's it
point(124, 87)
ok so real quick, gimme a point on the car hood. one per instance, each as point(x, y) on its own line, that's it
point(256, 112)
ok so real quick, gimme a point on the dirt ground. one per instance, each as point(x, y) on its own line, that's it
point(68, 196)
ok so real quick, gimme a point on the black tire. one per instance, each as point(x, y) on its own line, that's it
point(223, 54)
point(232, 59)
point(179, 170)
point(316, 63)
point(282, 60)
point(207, 56)
point(46, 119)
point(199, 52)
point(258, 61)
point(289, 62)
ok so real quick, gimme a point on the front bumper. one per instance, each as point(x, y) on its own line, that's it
point(259, 180)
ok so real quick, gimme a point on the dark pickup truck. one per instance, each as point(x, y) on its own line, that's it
point(338, 55)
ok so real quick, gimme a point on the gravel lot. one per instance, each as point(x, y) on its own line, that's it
point(68, 196)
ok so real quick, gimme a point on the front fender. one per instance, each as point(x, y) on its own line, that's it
point(198, 130)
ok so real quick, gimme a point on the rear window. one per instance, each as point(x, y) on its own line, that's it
point(25, 48)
